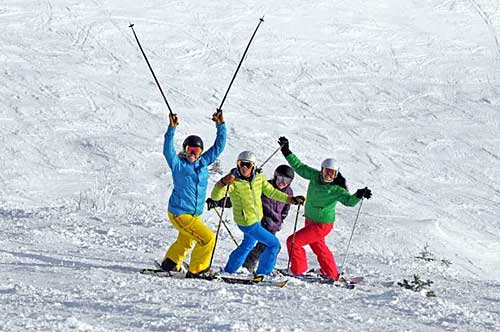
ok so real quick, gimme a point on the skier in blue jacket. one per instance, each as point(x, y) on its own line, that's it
point(185, 206)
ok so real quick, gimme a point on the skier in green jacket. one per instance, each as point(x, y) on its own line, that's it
point(326, 188)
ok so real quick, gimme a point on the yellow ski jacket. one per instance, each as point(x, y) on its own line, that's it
point(246, 197)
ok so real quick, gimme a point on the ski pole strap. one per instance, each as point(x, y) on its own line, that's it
point(131, 26)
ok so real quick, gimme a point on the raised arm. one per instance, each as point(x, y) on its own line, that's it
point(301, 169)
point(220, 141)
point(168, 144)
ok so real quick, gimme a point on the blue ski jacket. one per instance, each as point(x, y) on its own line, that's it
point(190, 179)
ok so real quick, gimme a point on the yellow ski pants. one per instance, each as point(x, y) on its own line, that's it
point(191, 229)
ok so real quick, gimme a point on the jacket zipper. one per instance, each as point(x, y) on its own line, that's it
point(254, 201)
point(196, 190)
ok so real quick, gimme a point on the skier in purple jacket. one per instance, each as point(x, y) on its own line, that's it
point(274, 212)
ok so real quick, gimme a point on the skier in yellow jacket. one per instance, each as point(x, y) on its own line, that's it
point(245, 187)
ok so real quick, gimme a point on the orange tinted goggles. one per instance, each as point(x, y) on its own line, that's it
point(196, 150)
point(329, 172)
point(245, 164)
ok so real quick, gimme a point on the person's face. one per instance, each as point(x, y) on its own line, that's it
point(245, 167)
point(193, 153)
point(282, 181)
point(329, 174)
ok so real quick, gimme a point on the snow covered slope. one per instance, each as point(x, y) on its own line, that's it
point(404, 94)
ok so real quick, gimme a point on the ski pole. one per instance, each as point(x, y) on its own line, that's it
point(349, 243)
point(227, 228)
point(218, 227)
point(293, 240)
point(219, 109)
point(269, 158)
point(131, 26)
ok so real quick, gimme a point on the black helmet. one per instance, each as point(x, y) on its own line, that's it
point(192, 140)
point(284, 170)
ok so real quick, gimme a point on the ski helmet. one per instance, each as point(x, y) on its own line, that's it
point(192, 140)
point(284, 170)
point(329, 163)
point(247, 156)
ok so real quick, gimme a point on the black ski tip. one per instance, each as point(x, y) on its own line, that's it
point(131, 25)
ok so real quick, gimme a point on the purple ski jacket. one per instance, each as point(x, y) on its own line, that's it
point(275, 212)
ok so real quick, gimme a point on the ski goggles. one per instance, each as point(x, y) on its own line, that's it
point(329, 172)
point(196, 150)
point(245, 164)
point(284, 180)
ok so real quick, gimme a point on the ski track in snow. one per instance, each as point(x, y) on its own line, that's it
point(403, 94)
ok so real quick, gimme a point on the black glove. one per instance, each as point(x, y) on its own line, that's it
point(213, 204)
point(363, 193)
point(296, 200)
point(285, 145)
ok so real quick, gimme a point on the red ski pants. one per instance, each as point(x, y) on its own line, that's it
point(313, 234)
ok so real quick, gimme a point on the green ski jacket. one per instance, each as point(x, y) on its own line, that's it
point(322, 197)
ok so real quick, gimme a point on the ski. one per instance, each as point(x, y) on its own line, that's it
point(356, 280)
point(255, 281)
point(326, 281)
point(312, 277)
point(162, 273)
point(184, 265)
point(346, 285)
point(215, 277)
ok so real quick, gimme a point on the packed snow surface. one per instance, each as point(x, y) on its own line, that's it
point(405, 95)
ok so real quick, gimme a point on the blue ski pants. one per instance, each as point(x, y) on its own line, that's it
point(252, 234)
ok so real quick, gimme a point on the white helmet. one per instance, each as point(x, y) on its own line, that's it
point(247, 156)
point(329, 163)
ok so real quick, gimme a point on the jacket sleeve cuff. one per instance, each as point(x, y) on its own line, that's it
point(286, 152)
